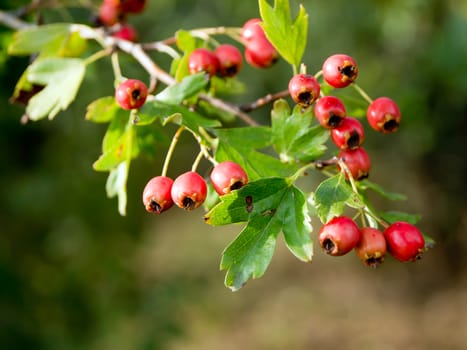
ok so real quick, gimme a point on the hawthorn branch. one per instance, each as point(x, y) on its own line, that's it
point(263, 101)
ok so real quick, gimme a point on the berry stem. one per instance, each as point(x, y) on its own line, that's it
point(116, 68)
point(97, 56)
point(260, 102)
point(171, 149)
point(362, 93)
point(161, 46)
point(195, 165)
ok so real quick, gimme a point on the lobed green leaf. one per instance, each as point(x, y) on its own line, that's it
point(188, 87)
point(102, 110)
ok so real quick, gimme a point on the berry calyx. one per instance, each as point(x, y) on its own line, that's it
point(304, 89)
point(329, 111)
point(404, 241)
point(339, 236)
point(371, 248)
point(131, 94)
point(383, 115)
point(349, 134)
point(189, 190)
point(228, 176)
point(203, 60)
point(357, 161)
point(230, 60)
point(340, 70)
point(157, 194)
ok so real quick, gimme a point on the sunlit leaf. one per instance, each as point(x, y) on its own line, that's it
point(331, 196)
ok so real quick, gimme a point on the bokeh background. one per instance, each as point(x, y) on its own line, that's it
point(76, 275)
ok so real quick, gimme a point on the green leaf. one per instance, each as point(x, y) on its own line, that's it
point(289, 38)
point(293, 136)
point(331, 196)
point(366, 184)
point(269, 205)
point(153, 110)
point(187, 43)
point(62, 78)
point(393, 216)
point(47, 39)
point(116, 185)
point(102, 110)
point(188, 87)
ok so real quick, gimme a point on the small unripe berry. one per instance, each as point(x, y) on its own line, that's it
point(260, 53)
point(404, 241)
point(340, 70)
point(329, 111)
point(203, 60)
point(304, 89)
point(189, 190)
point(339, 236)
point(357, 161)
point(384, 115)
point(349, 135)
point(230, 60)
point(228, 176)
point(371, 248)
point(131, 94)
point(157, 194)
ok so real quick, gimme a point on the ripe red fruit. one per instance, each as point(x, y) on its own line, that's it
point(132, 6)
point(329, 111)
point(189, 190)
point(357, 161)
point(131, 94)
point(203, 60)
point(405, 242)
point(228, 176)
point(252, 30)
point(340, 70)
point(157, 194)
point(339, 236)
point(371, 248)
point(260, 53)
point(384, 115)
point(109, 13)
point(126, 32)
point(304, 89)
point(348, 135)
point(230, 60)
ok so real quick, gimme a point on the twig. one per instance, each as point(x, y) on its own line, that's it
point(263, 101)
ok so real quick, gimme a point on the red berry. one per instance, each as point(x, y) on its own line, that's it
point(384, 115)
point(405, 242)
point(252, 30)
point(126, 32)
point(157, 194)
point(260, 53)
point(304, 89)
point(348, 135)
point(203, 60)
point(340, 70)
point(131, 94)
point(189, 190)
point(230, 60)
point(132, 6)
point(228, 176)
point(339, 236)
point(371, 248)
point(329, 111)
point(358, 162)
point(109, 13)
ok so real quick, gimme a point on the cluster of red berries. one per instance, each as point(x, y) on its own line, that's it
point(259, 52)
point(226, 61)
point(113, 12)
point(189, 190)
point(402, 240)
point(347, 132)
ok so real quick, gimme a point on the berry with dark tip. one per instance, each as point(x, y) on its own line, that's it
point(304, 89)
point(131, 94)
point(329, 111)
point(404, 241)
point(157, 194)
point(349, 135)
point(189, 190)
point(371, 248)
point(230, 60)
point(357, 161)
point(260, 53)
point(228, 176)
point(383, 115)
point(340, 70)
point(339, 236)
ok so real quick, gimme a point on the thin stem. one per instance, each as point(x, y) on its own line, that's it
point(12, 21)
point(197, 161)
point(362, 93)
point(203, 148)
point(97, 56)
point(116, 67)
point(161, 47)
point(171, 149)
point(263, 101)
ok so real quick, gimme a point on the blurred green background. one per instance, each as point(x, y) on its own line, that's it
point(76, 275)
